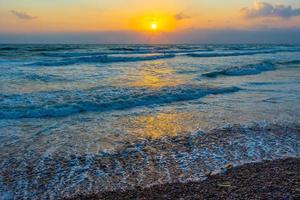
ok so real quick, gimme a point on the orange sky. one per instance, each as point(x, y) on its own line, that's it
point(21, 16)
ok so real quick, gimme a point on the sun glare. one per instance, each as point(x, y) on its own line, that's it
point(153, 23)
point(153, 26)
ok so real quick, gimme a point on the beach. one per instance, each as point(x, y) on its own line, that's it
point(279, 179)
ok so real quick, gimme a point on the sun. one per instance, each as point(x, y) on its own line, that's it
point(153, 25)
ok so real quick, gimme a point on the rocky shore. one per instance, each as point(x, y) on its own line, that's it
point(279, 179)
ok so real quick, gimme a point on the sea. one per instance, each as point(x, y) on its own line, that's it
point(83, 119)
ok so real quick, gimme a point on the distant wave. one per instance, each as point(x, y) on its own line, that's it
point(263, 83)
point(71, 54)
point(162, 49)
point(291, 62)
point(122, 51)
point(127, 50)
point(99, 59)
point(239, 53)
point(243, 70)
point(249, 69)
point(38, 105)
point(8, 48)
point(39, 48)
point(227, 54)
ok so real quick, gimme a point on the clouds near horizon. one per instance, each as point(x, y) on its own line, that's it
point(264, 9)
point(22, 15)
point(181, 16)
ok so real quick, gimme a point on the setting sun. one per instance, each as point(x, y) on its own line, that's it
point(153, 26)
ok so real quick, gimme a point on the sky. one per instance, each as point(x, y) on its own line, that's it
point(149, 21)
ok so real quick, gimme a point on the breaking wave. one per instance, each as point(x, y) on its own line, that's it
point(240, 53)
point(99, 59)
point(147, 162)
point(291, 62)
point(38, 105)
point(243, 70)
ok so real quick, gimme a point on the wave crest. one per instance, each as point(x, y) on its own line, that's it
point(38, 105)
point(242, 71)
point(239, 53)
point(100, 59)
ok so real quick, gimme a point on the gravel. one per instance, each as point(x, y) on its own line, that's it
point(279, 179)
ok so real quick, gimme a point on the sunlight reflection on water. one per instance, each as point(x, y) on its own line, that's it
point(158, 125)
point(153, 75)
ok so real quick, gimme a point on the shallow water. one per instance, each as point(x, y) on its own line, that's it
point(86, 118)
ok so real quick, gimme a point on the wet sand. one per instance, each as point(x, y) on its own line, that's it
point(279, 179)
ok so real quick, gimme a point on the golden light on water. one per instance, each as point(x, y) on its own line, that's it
point(157, 77)
point(154, 75)
point(163, 124)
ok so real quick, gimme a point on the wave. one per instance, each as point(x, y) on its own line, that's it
point(267, 83)
point(48, 78)
point(227, 54)
point(162, 49)
point(239, 53)
point(71, 54)
point(147, 162)
point(292, 62)
point(122, 51)
point(39, 105)
point(250, 69)
point(99, 59)
point(40, 48)
point(8, 48)
point(243, 70)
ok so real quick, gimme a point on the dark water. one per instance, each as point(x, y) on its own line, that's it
point(86, 118)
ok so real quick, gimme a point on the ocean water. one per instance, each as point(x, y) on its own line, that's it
point(78, 119)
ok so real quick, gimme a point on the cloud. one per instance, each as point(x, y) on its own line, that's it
point(22, 15)
point(263, 9)
point(181, 16)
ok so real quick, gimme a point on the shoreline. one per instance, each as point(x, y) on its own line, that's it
point(278, 179)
